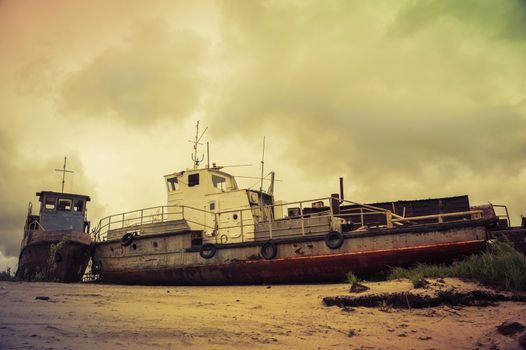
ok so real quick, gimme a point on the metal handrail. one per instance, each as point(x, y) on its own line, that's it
point(501, 216)
point(123, 220)
point(38, 224)
point(264, 214)
point(162, 214)
point(437, 216)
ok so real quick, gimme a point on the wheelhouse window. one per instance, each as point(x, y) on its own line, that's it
point(78, 205)
point(50, 203)
point(64, 204)
point(173, 185)
point(193, 180)
point(219, 182)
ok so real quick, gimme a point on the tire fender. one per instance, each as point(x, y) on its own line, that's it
point(207, 251)
point(127, 239)
point(269, 250)
point(334, 239)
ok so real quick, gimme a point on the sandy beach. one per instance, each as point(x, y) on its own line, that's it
point(96, 316)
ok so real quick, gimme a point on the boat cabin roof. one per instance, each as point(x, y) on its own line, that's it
point(62, 202)
point(43, 194)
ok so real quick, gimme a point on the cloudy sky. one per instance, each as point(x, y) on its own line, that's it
point(411, 99)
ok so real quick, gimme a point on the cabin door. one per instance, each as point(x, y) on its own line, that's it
point(211, 210)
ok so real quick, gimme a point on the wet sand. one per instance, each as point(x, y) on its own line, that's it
point(96, 316)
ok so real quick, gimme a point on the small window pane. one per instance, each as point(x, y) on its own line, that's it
point(51, 202)
point(172, 184)
point(79, 205)
point(193, 180)
point(64, 204)
point(212, 206)
point(219, 182)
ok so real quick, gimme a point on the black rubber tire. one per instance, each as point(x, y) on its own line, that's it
point(207, 251)
point(269, 250)
point(127, 239)
point(334, 239)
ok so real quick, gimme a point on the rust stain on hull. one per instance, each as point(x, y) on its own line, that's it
point(323, 268)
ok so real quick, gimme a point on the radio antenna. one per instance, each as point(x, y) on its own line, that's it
point(207, 154)
point(64, 171)
point(235, 166)
point(262, 167)
point(254, 177)
point(196, 142)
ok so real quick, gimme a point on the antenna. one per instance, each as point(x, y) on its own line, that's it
point(254, 177)
point(64, 171)
point(195, 157)
point(262, 167)
point(235, 166)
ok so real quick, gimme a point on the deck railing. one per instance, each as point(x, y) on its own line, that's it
point(152, 215)
point(262, 216)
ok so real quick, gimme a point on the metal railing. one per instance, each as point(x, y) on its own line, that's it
point(152, 215)
point(505, 216)
point(32, 224)
point(250, 218)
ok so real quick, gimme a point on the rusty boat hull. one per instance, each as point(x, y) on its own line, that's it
point(55, 256)
point(169, 258)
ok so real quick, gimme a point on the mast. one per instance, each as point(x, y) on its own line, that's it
point(207, 155)
point(262, 168)
point(64, 171)
point(195, 157)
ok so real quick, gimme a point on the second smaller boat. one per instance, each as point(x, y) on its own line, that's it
point(56, 244)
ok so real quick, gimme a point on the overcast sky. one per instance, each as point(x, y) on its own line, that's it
point(410, 99)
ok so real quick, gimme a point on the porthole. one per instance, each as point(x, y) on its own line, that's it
point(134, 246)
point(234, 216)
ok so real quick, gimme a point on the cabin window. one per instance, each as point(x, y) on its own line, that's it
point(50, 203)
point(78, 205)
point(193, 180)
point(212, 206)
point(64, 204)
point(219, 182)
point(173, 185)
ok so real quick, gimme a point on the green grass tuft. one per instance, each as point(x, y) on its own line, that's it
point(351, 278)
point(499, 265)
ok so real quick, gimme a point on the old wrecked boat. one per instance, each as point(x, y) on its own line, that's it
point(213, 232)
point(56, 243)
